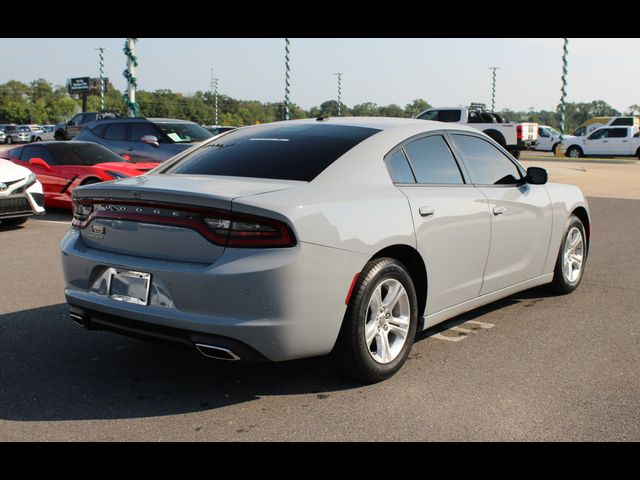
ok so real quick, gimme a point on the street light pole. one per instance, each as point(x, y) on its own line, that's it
point(493, 90)
point(102, 84)
point(214, 87)
point(286, 79)
point(563, 106)
point(339, 74)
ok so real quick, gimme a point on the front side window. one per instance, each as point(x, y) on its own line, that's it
point(30, 152)
point(139, 130)
point(283, 152)
point(77, 118)
point(433, 162)
point(89, 117)
point(543, 132)
point(184, 132)
point(80, 153)
point(601, 133)
point(487, 164)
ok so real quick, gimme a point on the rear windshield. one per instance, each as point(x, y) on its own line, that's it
point(283, 152)
point(76, 153)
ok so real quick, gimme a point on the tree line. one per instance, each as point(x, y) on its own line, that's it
point(41, 102)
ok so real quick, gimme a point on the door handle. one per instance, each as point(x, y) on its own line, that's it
point(625, 141)
point(605, 141)
point(426, 211)
point(129, 149)
point(499, 210)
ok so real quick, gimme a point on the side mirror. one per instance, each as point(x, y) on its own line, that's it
point(151, 140)
point(536, 176)
point(40, 162)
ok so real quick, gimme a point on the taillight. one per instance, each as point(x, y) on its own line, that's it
point(519, 132)
point(81, 213)
point(243, 230)
point(220, 227)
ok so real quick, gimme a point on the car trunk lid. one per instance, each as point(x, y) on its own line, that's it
point(169, 217)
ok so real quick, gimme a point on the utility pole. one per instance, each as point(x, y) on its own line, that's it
point(214, 88)
point(339, 74)
point(493, 90)
point(286, 79)
point(130, 74)
point(102, 85)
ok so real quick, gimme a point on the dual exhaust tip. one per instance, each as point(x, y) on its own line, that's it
point(209, 351)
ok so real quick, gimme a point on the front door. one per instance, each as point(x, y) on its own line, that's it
point(521, 214)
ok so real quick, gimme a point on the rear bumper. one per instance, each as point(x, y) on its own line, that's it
point(282, 303)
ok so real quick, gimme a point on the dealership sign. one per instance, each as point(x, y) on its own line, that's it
point(85, 85)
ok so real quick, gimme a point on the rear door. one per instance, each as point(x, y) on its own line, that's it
point(116, 137)
point(521, 214)
point(451, 218)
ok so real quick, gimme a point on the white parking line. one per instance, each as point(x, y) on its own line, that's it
point(481, 324)
point(439, 336)
point(464, 331)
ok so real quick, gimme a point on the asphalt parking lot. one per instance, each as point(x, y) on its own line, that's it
point(531, 367)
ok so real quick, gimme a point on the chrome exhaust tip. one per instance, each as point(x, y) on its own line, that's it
point(219, 353)
point(77, 319)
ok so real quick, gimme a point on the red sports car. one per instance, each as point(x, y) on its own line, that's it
point(62, 166)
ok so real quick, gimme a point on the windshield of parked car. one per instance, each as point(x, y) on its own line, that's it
point(78, 153)
point(183, 132)
point(284, 152)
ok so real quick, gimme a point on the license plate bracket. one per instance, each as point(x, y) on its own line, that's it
point(129, 286)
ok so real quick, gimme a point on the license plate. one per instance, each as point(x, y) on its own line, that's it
point(129, 286)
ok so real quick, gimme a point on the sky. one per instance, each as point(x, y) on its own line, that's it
point(443, 71)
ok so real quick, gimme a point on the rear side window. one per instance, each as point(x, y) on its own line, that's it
point(441, 115)
point(618, 133)
point(487, 164)
point(433, 162)
point(285, 152)
point(116, 131)
point(399, 168)
point(626, 121)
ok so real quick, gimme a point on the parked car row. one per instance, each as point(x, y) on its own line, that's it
point(11, 133)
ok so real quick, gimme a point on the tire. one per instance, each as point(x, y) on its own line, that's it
point(515, 154)
point(9, 140)
point(90, 181)
point(14, 221)
point(59, 135)
point(38, 139)
point(574, 244)
point(553, 149)
point(352, 354)
point(574, 152)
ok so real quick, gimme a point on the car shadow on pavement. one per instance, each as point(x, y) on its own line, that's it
point(54, 370)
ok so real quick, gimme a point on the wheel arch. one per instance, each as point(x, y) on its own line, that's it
point(497, 136)
point(582, 214)
point(416, 268)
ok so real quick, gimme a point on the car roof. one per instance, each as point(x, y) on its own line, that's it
point(172, 120)
point(378, 123)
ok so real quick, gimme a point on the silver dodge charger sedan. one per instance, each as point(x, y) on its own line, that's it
point(339, 236)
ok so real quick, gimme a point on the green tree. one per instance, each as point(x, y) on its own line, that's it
point(417, 106)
